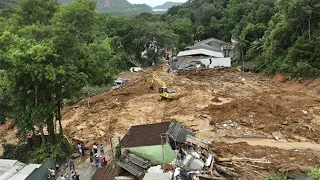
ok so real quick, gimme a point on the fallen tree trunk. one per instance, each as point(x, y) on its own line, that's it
point(226, 171)
point(243, 160)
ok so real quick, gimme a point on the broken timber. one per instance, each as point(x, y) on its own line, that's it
point(264, 161)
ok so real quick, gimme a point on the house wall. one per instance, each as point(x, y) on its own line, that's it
point(222, 62)
point(153, 153)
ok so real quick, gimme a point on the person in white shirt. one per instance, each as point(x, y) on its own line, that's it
point(52, 173)
point(80, 148)
point(95, 149)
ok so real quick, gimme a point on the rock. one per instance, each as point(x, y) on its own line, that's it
point(277, 135)
point(305, 112)
point(299, 138)
point(285, 123)
point(75, 155)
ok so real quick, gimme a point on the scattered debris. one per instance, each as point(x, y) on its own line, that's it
point(227, 125)
point(135, 69)
point(118, 83)
point(277, 135)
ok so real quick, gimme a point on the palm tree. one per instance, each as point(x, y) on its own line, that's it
point(241, 44)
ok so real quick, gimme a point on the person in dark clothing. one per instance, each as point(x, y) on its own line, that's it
point(91, 157)
point(71, 164)
point(57, 166)
point(82, 150)
point(95, 148)
point(76, 176)
point(104, 161)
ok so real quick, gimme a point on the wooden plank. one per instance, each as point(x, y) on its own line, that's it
point(195, 142)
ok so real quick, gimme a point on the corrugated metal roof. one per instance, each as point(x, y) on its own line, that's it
point(24, 172)
point(177, 132)
point(8, 168)
point(136, 165)
point(200, 52)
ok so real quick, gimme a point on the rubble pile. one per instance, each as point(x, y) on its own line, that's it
point(213, 104)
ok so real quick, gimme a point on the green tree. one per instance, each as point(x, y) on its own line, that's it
point(46, 61)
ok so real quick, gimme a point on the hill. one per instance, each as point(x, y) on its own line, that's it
point(168, 5)
point(118, 6)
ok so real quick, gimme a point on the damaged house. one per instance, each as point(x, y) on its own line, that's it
point(155, 142)
point(209, 53)
point(149, 145)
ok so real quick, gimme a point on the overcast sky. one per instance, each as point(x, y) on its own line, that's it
point(153, 2)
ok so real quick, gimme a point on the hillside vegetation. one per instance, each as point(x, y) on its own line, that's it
point(118, 6)
point(280, 36)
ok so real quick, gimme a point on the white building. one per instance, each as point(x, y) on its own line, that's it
point(15, 170)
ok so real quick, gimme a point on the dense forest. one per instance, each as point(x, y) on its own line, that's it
point(50, 52)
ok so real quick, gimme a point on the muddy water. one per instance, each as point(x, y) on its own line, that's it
point(282, 144)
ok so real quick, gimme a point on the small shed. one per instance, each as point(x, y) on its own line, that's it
point(154, 142)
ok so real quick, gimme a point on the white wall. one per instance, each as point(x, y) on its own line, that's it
point(222, 62)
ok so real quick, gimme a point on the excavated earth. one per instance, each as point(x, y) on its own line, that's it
point(238, 111)
point(218, 105)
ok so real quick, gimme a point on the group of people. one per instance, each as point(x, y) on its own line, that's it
point(51, 174)
point(95, 159)
point(73, 176)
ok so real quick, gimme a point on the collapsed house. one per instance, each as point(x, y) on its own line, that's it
point(209, 53)
point(145, 148)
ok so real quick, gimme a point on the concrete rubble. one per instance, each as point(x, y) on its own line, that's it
point(192, 161)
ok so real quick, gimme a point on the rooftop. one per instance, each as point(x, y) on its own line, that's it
point(149, 135)
point(201, 52)
point(144, 135)
point(211, 40)
point(15, 170)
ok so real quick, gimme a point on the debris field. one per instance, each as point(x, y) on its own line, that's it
point(216, 105)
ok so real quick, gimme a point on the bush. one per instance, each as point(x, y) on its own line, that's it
point(88, 91)
point(59, 151)
point(314, 174)
point(17, 152)
point(275, 176)
point(2, 119)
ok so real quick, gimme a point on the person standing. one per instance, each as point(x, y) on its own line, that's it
point(57, 166)
point(71, 164)
point(97, 160)
point(77, 176)
point(52, 173)
point(100, 161)
point(80, 148)
point(101, 149)
point(95, 149)
point(91, 158)
point(61, 178)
